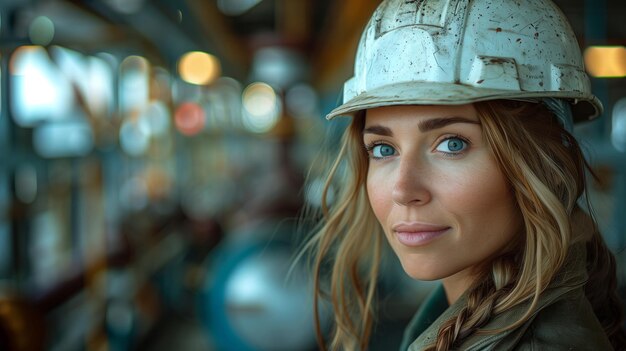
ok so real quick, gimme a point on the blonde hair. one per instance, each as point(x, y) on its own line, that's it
point(546, 172)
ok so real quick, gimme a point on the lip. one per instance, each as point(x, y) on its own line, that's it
point(418, 234)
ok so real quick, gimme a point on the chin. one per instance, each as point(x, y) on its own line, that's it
point(421, 273)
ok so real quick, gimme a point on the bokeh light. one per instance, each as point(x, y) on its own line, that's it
point(189, 118)
point(301, 100)
point(40, 91)
point(618, 130)
point(92, 75)
point(64, 138)
point(279, 66)
point(606, 61)
point(199, 68)
point(224, 100)
point(261, 108)
point(134, 83)
point(134, 138)
point(156, 118)
point(41, 31)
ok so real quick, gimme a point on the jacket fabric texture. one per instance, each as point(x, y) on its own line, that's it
point(562, 320)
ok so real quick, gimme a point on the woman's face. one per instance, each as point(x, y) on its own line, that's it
point(437, 190)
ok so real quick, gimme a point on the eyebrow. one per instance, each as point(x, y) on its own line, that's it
point(424, 126)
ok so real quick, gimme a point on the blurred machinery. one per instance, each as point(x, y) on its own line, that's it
point(253, 300)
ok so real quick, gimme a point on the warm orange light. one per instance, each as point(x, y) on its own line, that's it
point(606, 61)
point(199, 68)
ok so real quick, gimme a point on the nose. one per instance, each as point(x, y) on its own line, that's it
point(411, 183)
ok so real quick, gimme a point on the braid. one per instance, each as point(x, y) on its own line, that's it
point(481, 303)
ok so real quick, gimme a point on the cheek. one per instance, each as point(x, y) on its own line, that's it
point(378, 192)
point(481, 195)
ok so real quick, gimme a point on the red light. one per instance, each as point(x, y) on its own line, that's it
point(189, 118)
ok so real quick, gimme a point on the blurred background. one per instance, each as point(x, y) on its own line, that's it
point(154, 158)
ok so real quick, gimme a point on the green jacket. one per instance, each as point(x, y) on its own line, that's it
point(563, 319)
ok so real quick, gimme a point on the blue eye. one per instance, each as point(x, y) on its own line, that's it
point(382, 151)
point(452, 145)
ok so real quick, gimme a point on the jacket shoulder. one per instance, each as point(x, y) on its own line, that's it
point(567, 324)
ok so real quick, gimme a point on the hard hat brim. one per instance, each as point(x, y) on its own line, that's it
point(584, 107)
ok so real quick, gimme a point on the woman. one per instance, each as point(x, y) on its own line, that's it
point(459, 155)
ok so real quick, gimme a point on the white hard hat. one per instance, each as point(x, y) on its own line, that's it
point(447, 52)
